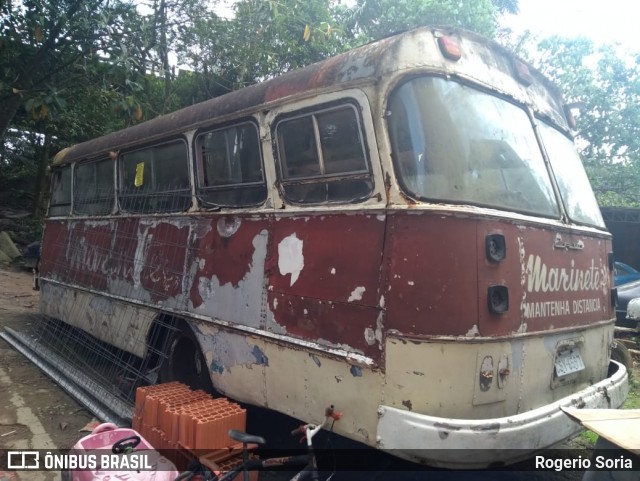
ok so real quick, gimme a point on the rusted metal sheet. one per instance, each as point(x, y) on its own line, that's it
point(225, 249)
point(314, 278)
point(226, 269)
point(556, 279)
point(431, 274)
point(339, 257)
point(141, 260)
point(52, 248)
point(165, 249)
point(324, 278)
point(439, 277)
point(347, 326)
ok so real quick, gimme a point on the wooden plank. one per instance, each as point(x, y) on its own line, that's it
point(620, 426)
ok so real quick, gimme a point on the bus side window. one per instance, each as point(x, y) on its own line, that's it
point(93, 193)
point(155, 179)
point(60, 203)
point(322, 156)
point(299, 153)
point(229, 164)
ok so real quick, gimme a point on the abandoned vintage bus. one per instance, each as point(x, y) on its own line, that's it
point(404, 231)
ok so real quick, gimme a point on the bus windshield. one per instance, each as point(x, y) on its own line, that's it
point(578, 198)
point(454, 143)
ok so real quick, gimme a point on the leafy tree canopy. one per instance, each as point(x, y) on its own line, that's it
point(75, 69)
point(374, 19)
point(604, 82)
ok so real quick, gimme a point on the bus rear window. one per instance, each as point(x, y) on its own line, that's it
point(452, 143)
point(322, 157)
point(93, 192)
point(155, 179)
point(230, 167)
point(61, 192)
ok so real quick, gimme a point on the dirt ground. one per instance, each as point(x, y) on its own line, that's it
point(34, 412)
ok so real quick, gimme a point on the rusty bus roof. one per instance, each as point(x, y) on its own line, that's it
point(360, 65)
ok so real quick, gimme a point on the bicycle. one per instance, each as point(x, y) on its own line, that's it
point(310, 469)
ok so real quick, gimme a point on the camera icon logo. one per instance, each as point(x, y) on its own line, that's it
point(23, 460)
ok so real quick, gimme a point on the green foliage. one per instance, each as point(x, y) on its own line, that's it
point(71, 70)
point(266, 38)
point(41, 39)
point(605, 82)
point(274, 33)
point(16, 165)
point(589, 438)
point(633, 399)
point(375, 19)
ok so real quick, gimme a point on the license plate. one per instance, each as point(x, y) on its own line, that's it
point(568, 362)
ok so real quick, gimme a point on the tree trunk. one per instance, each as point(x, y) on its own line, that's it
point(8, 108)
point(42, 178)
point(164, 54)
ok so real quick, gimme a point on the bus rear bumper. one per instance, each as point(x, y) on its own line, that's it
point(470, 444)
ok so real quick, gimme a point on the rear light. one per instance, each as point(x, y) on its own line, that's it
point(496, 247)
point(498, 299)
point(523, 75)
point(449, 48)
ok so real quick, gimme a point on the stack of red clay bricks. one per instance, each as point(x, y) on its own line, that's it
point(172, 417)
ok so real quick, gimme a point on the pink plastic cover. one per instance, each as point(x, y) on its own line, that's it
point(143, 464)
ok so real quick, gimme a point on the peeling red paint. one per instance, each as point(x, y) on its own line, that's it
point(226, 258)
point(341, 253)
point(339, 323)
point(333, 301)
point(165, 251)
point(438, 276)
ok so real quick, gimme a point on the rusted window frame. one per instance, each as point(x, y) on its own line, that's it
point(200, 173)
point(79, 165)
point(120, 173)
point(71, 193)
point(313, 112)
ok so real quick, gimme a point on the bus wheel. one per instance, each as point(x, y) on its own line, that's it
point(620, 353)
point(185, 362)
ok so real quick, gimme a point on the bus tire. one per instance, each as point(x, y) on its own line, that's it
point(620, 353)
point(185, 362)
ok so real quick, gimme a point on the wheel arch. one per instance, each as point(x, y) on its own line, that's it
point(176, 350)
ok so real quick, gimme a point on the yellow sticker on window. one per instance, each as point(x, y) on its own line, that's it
point(139, 174)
